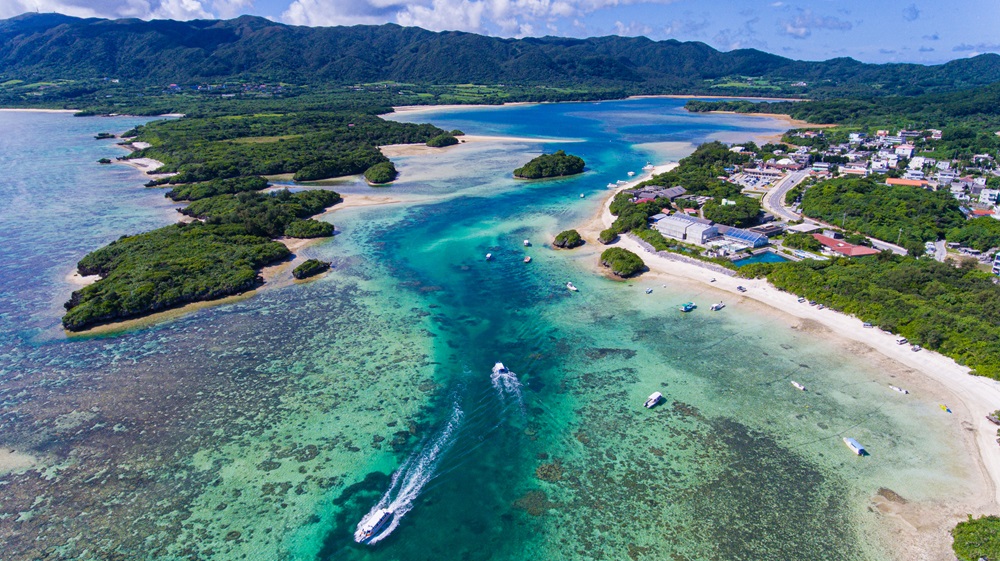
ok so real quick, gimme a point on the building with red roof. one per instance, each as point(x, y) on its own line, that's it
point(844, 248)
point(906, 182)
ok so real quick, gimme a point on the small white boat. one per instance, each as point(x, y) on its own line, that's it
point(371, 526)
point(798, 386)
point(571, 286)
point(717, 307)
point(621, 181)
point(527, 259)
point(649, 291)
point(631, 174)
point(647, 167)
point(582, 195)
point(854, 446)
point(489, 256)
point(612, 185)
point(898, 389)
point(653, 400)
point(499, 368)
point(527, 243)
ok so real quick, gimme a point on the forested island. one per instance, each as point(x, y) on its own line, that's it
point(310, 268)
point(218, 256)
point(557, 164)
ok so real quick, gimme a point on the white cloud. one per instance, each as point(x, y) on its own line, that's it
point(803, 24)
point(632, 29)
point(144, 9)
point(231, 8)
point(508, 17)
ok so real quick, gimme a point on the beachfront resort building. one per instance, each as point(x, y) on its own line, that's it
point(687, 228)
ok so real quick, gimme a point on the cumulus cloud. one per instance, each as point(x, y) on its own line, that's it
point(911, 13)
point(508, 17)
point(632, 29)
point(803, 24)
point(144, 9)
point(977, 48)
point(927, 49)
point(932, 37)
point(745, 37)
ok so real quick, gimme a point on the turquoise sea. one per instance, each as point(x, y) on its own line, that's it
point(267, 428)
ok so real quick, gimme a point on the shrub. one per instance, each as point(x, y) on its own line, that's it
point(380, 173)
point(442, 140)
point(308, 229)
point(568, 239)
point(310, 268)
point(622, 262)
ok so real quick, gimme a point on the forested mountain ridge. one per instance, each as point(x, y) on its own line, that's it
point(53, 46)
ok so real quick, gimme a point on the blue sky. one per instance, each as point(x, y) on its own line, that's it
point(869, 30)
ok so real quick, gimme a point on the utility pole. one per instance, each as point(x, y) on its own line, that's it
point(899, 236)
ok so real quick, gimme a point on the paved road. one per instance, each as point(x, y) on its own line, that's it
point(774, 200)
point(941, 251)
point(882, 246)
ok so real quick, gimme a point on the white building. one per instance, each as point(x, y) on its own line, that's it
point(687, 228)
point(989, 196)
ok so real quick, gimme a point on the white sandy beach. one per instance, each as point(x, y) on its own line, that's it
point(398, 150)
point(434, 108)
point(924, 528)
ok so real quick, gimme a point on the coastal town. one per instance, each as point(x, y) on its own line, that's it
point(905, 158)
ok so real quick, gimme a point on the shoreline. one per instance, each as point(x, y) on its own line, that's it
point(35, 110)
point(455, 106)
point(404, 150)
point(923, 527)
point(748, 98)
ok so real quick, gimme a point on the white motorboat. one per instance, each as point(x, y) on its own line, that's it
point(631, 174)
point(899, 389)
point(571, 286)
point(527, 243)
point(798, 386)
point(527, 259)
point(372, 525)
point(854, 446)
point(653, 400)
point(647, 167)
point(499, 368)
point(489, 256)
point(717, 307)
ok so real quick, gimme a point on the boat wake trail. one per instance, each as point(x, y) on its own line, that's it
point(507, 384)
point(411, 477)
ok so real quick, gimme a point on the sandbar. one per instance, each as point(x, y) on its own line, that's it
point(457, 106)
point(398, 150)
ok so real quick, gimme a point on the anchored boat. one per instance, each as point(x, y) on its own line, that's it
point(688, 307)
point(571, 286)
point(653, 400)
point(717, 307)
point(898, 389)
point(855, 447)
point(798, 386)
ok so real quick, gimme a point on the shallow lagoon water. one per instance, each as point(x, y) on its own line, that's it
point(267, 428)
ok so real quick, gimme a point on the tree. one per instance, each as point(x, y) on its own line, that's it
point(568, 239)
